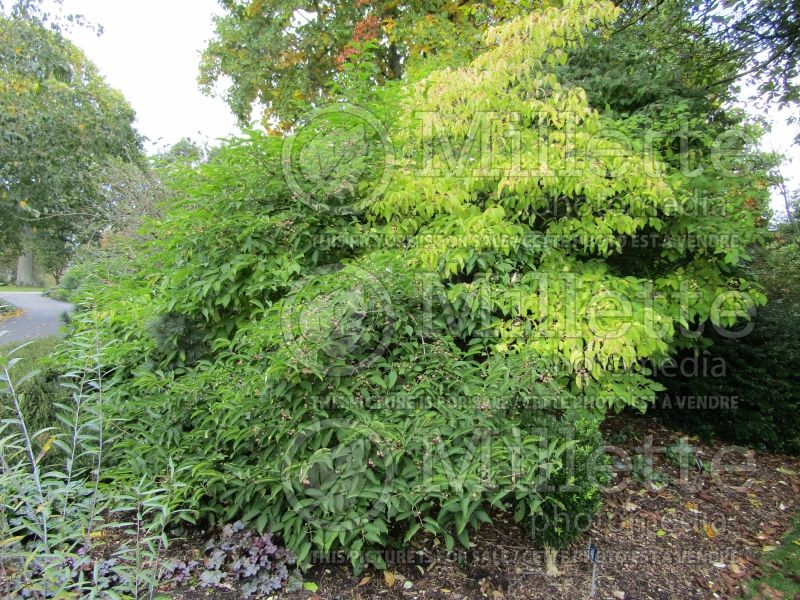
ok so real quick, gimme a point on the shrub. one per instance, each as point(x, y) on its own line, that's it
point(759, 371)
point(351, 360)
point(416, 443)
point(572, 494)
point(41, 392)
point(95, 266)
point(6, 308)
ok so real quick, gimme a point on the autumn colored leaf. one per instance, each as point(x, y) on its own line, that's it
point(710, 530)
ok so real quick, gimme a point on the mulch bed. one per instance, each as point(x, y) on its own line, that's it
point(698, 536)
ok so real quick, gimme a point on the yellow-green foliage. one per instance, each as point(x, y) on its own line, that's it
point(348, 379)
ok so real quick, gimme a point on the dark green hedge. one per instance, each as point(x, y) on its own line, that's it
point(761, 377)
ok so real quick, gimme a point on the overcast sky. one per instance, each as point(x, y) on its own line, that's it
point(780, 139)
point(150, 50)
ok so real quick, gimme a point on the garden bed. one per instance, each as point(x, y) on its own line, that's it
point(8, 310)
point(660, 537)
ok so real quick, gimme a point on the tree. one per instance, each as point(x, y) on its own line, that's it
point(52, 251)
point(59, 121)
point(130, 194)
point(283, 56)
point(724, 43)
point(764, 36)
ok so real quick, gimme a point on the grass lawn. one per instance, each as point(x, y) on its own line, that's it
point(780, 569)
point(16, 288)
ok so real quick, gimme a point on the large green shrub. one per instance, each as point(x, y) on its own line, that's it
point(348, 347)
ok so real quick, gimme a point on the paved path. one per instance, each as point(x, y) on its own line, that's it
point(41, 319)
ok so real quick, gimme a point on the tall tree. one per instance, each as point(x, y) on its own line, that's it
point(282, 55)
point(764, 35)
point(58, 121)
point(731, 43)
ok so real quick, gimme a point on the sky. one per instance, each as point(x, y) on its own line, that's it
point(779, 139)
point(150, 51)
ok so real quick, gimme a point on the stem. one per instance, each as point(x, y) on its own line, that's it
point(550, 555)
point(787, 203)
point(138, 543)
point(101, 425)
point(31, 457)
point(73, 448)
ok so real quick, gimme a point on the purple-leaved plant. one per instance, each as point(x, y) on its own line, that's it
point(237, 555)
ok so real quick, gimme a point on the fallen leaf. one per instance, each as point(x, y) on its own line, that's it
point(365, 581)
point(770, 593)
point(710, 530)
point(768, 548)
point(390, 578)
point(485, 586)
point(661, 533)
point(706, 496)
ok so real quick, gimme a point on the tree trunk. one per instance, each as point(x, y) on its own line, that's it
point(395, 64)
point(788, 204)
point(25, 272)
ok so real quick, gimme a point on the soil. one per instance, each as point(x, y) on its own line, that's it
point(692, 536)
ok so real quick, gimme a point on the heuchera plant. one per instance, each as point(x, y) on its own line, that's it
point(239, 556)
